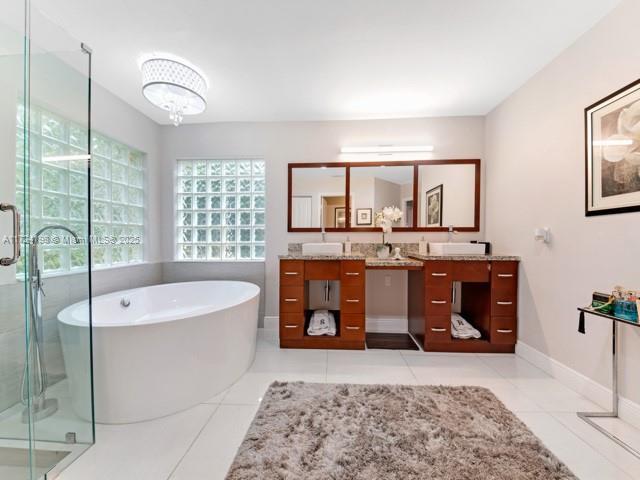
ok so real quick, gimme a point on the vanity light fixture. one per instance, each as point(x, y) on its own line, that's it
point(172, 84)
point(389, 149)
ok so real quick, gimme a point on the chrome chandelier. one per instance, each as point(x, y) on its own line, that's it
point(172, 85)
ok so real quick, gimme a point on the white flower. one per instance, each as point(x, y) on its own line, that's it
point(386, 217)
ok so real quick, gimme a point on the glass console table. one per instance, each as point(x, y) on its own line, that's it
point(587, 416)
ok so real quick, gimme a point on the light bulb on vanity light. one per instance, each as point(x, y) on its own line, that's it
point(386, 149)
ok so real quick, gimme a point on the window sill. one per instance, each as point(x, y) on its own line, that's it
point(20, 278)
point(218, 261)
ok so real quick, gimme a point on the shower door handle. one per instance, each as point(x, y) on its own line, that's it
point(6, 261)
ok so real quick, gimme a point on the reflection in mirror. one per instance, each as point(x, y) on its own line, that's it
point(373, 188)
point(317, 195)
point(446, 195)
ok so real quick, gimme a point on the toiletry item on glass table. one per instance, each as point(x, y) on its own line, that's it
point(621, 303)
point(626, 303)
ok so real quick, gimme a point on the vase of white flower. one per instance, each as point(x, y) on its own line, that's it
point(385, 219)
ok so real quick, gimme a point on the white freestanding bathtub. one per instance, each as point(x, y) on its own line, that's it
point(174, 346)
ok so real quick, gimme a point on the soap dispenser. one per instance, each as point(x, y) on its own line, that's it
point(422, 246)
point(347, 247)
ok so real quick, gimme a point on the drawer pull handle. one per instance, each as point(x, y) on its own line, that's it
point(291, 300)
point(291, 273)
point(291, 326)
point(500, 330)
point(352, 274)
point(439, 330)
point(504, 303)
point(353, 328)
point(436, 274)
point(438, 302)
point(505, 275)
point(353, 300)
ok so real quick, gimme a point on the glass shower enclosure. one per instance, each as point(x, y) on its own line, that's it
point(45, 147)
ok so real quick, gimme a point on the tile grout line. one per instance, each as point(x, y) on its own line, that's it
point(594, 447)
point(410, 369)
point(508, 380)
point(573, 434)
point(204, 424)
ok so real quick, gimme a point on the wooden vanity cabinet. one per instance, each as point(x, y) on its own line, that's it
point(294, 303)
point(488, 301)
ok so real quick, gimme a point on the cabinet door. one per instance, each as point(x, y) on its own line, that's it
point(352, 299)
point(291, 272)
point(352, 273)
point(291, 299)
point(438, 273)
point(291, 325)
point(503, 330)
point(438, 329)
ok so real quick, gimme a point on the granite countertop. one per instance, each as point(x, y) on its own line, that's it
point(390, 262)
point(342, 256)
point(467, 258)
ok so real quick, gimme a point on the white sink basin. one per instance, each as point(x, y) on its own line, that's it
point(456, 248)
point(325, 248)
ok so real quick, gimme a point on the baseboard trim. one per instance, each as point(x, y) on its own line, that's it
point(271, 322)
point(387, 324)
point(599, 394)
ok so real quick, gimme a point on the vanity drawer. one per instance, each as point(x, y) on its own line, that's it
point(438, 273)
point(352, 327)
point(503, 330)
point(438, 301)
point(291, 299)
point(471, 271)
point(504, 276)
point(291, 272)
point(291, 325)
point(352, 272)
point(438, 329)
point(503, 303)
point(352, 299)
point(322, 270)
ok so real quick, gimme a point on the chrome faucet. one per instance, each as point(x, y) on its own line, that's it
point(451, 232)
point(36, 277)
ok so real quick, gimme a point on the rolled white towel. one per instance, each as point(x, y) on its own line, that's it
point(460, 328)
point(322, 323)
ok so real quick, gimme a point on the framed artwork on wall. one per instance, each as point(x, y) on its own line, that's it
point(340, 217)
point(364, 216)
point(612, 150)
point(434, 198)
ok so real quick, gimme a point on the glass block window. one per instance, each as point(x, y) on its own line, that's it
point(59, 193)
point(220, 209)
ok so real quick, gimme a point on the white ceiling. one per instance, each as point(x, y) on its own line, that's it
point(275, 60)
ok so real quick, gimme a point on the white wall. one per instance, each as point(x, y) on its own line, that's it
point(535, 178)
point(282, 143)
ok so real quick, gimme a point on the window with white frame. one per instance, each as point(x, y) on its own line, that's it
point(58, 193)
point(220, 209)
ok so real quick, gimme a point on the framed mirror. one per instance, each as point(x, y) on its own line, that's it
point(317, 197)
point(345, 196)
point(375, 186)
point(449, 195)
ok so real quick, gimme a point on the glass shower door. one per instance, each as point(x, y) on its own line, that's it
point(46, 401)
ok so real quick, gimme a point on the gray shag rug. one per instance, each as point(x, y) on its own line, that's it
point(316, 431)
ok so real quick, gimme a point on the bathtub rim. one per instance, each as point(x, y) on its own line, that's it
point(66, 317)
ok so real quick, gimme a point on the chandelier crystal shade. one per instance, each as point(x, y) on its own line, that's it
point(175, 87)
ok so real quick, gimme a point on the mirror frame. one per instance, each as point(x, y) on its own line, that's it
point(347, 194)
